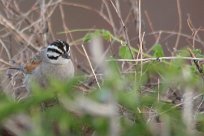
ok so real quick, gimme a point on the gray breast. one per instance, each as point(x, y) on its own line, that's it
point(59, 72)
point(48, 70)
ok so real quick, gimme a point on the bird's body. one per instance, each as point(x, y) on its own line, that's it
point(47, 70)
point(54, 63)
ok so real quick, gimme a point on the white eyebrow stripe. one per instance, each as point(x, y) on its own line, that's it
point(55, 47)
point(54, 54)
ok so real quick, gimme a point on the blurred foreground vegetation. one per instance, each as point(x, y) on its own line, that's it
point(156, 97)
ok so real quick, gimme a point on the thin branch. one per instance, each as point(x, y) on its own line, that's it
point(180, 23)
point(43, 21)
point(150, 23)
point(5, 62)
point(194, 30)
point(110, 16)
point(88, 8)
point(64, 22)
point(90, 65)
point(176, 33)
point(22, 36)
point(157, 59)
point(6, 49)
point(196, 62)
point(124, 28)
point(140, 35)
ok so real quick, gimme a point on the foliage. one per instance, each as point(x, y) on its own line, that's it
point(157, 50)
point(105, 34)
point(136, 102)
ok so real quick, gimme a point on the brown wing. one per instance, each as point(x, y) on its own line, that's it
point(33, 63)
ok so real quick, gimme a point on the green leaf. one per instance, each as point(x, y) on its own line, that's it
point(157, 50)
point(88, 37)
point(124, 52)
point(198, 53)
point(106, 35)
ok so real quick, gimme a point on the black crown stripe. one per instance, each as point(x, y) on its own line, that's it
point(66, 45)
point(61, 44)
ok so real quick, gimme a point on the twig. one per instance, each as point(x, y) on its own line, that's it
point(87, 8)
point(157, 59)
point(150, 23)
point(179, 104)
point(140, 35)
point(158, 87)
point(22, 36)
point(176, 33)
point(64, 23)
point(194, 30)
point(4, 62)
point(110, 16)
point(51, 30)
point(196, 62)
point(90, 65)
point(6, 49)
point(124, 29)
point(180, 23)
point(43, 21)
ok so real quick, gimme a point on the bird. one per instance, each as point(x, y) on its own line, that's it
point(52, 62)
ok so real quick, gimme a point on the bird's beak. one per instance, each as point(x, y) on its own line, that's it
point(66, 55)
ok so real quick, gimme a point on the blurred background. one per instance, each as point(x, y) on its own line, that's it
point(172, 23)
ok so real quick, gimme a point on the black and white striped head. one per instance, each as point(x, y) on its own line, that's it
point(58, 52)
